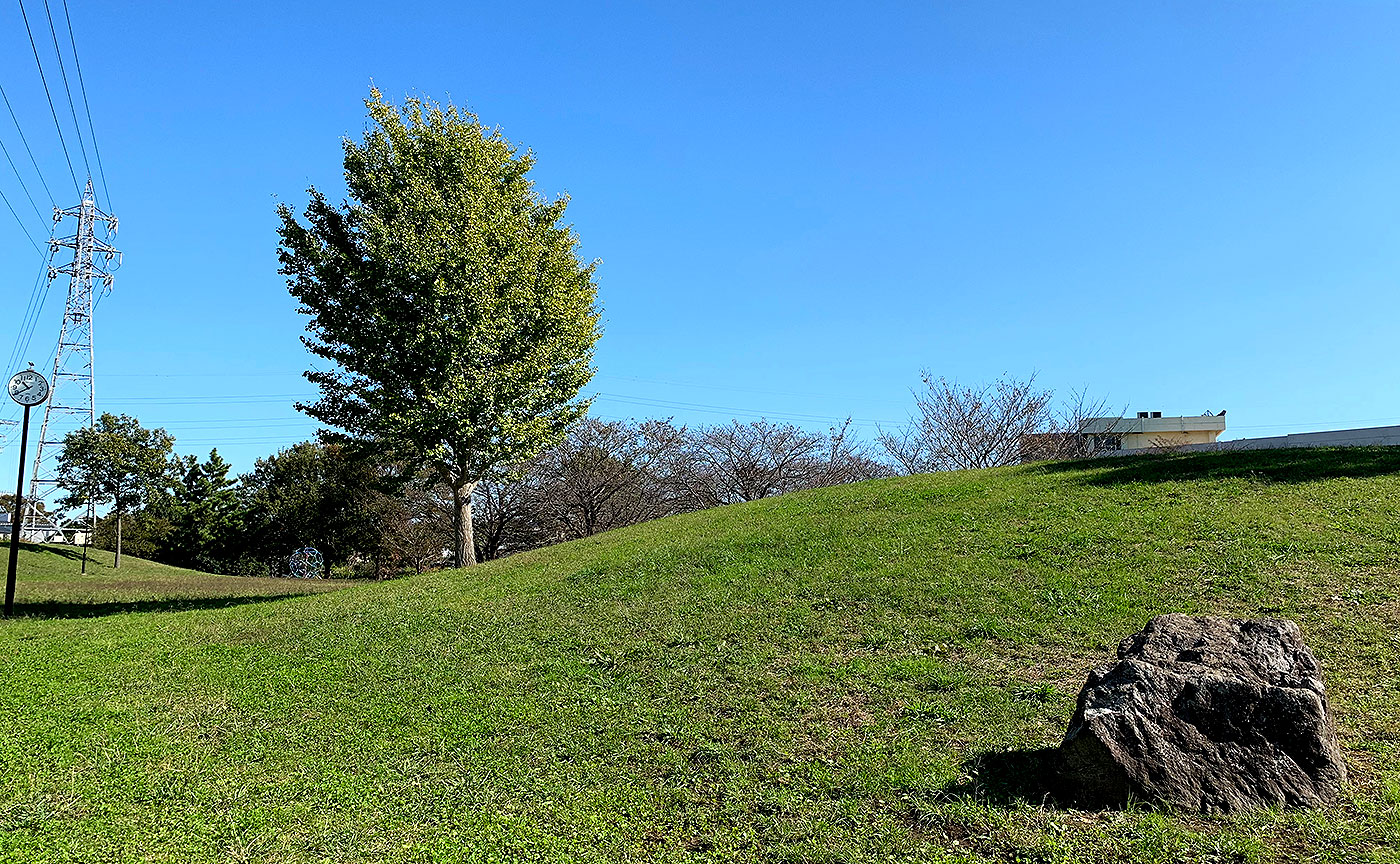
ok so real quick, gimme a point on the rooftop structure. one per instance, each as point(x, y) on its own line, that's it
point(1149, 429)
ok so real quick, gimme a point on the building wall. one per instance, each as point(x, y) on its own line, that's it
point(1376, 436)
point(1142, 441)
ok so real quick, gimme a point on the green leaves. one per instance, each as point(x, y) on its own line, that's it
point(116, 461)
point(448, 294)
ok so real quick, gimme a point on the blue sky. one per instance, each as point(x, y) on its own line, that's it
point(1174, 206)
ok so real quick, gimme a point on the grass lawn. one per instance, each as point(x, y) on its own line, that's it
point(51, 584)
point(824, 677)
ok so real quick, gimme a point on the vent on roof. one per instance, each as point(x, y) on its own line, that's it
point(1142, 415)
point(1156, 414)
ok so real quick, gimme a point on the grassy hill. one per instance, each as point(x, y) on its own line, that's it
point(55, 583)
point(831, 676)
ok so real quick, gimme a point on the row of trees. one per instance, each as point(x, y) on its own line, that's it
point(373, 514)
point(192, 513)
point(605, 475)
point(368, 514)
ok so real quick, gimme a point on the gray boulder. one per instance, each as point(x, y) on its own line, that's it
point(1204, 714)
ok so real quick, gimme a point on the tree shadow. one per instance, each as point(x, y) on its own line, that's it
point(80, 609)
point(70, 552)
point(1299, 465)
point(1006, 777)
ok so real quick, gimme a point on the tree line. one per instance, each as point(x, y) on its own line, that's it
point(370, 518)
point(372, 515)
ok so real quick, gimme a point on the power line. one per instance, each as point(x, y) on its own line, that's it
point(27, 334)
point(31, 312)
point(201, 374)
point(16, 408)
point(27, 149)
point(280, 439)
point(87, 109)
point(16, 352)
point(58, 52)
point(20, 178)
point(216, 425)
point(219, 397)
point(721, 409)
point(732, 388)
point(52, 110)
point(22, 226)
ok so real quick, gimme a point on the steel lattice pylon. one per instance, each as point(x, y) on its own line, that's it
point(72, 404)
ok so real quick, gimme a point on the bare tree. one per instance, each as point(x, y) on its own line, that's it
point(604, 475)
point(970, 427)
point(911, 450)
point(847, 459)
point(748, 461)
point(506, 514)
point(1081, 428)
point(412, 523)
point(609, 474)
point(1006, 422)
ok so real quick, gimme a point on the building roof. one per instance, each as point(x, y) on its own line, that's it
point(1152, 425)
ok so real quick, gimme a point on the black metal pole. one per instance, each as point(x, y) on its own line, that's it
point(15, 519)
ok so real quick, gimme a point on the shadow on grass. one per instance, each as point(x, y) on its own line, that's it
point(1275, 466)
point(79, 609)
point(69, 552)
point(1007, 777)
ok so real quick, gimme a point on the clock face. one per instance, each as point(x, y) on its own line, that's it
point(29, 387)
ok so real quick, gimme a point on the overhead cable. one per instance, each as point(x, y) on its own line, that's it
point(87, 109)
point(37, 295)
point(52, 110)
point(22, 226)
point(22, 184)
point(63, 72)
point(27, 149)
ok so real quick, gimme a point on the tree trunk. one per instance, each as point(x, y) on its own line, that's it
point(465, 553)
point(117, 561)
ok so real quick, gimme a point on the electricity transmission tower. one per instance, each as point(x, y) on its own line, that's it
point(72, 404)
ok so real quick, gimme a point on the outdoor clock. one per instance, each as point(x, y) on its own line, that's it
point(29, 388)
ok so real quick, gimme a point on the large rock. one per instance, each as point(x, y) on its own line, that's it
point(1204, 714)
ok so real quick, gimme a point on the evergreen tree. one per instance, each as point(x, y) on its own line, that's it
point(206, 513)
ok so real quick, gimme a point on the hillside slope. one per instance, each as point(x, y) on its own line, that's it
point(54, 582)
point(818, 677)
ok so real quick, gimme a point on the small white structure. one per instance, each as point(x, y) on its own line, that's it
point(1149, 430)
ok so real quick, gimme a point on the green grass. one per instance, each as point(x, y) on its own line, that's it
point(820, 677)
point(53, 584)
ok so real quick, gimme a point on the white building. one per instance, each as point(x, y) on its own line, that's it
point(1149, 429)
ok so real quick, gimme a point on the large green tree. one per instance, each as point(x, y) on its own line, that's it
point(450, 297)
point(310, 494)
point(117, 461)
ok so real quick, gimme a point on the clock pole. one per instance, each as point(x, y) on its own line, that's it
point(15, 520)
point(28, 388)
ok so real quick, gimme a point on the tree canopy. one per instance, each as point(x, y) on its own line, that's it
point(449, 295)
point(117, 461)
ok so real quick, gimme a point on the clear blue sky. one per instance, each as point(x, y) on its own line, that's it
point(1176, 206)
